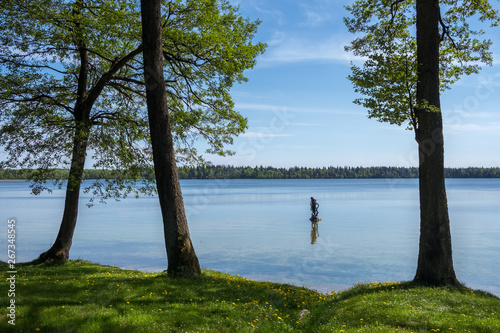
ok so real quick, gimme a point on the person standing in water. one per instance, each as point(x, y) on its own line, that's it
point(314, 207)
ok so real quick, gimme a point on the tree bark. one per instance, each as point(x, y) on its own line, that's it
point(59, 251)
point(435, 262)
point(182, 260)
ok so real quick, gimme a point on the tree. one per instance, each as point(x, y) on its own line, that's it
point(71, 78)
point(435, 261)
point(182, 258)
point(402, 79)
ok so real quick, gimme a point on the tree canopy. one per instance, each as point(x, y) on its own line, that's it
point(386, 40)
point(61, 58)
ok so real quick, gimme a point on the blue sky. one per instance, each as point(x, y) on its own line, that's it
point(299, 102)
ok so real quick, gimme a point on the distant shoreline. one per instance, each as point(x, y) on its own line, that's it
point(261, 172)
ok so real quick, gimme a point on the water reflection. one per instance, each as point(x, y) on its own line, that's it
point(352, 246)
point(314, 220)
point(314, 232)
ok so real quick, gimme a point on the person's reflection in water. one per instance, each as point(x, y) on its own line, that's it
point(314, 232)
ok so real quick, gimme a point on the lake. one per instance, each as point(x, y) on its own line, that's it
point(260, 229)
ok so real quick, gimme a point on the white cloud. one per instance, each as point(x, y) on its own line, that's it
point(263, 135)
point(491, 127)
point(284, 108)
point(318, 12)
point(263, 8)
point(315, 18)
point(277, 15)
point(286, 49)
point(277, 38)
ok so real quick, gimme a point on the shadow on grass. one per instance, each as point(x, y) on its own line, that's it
point(83, 296)
point(80, 296)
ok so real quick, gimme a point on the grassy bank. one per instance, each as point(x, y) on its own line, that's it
point(80, 296)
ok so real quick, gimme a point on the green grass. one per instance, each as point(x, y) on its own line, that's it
point(81, 296)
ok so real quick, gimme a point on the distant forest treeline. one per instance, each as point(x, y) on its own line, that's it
point(232, 172)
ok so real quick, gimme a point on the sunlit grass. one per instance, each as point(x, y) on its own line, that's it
point(406, 307)
point(80, 296)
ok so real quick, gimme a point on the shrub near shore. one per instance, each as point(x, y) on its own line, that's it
point(81, 296)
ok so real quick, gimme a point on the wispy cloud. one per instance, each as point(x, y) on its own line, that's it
point(263, 8)
point(276, 14)
point(491, 127)
point(284, 108)
point(257, 134)
point(318, 12)
point(315, 18)
point(288, 49)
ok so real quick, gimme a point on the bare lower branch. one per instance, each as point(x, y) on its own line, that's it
point(39, 98)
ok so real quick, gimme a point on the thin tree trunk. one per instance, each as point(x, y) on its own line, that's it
point(59, 251)
point(83, 106)
point(182, 260)
point(435, 263)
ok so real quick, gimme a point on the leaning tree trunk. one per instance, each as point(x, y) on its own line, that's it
point(182, 260)
point(435, 263)
point(59, 251)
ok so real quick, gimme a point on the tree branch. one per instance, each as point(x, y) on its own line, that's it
point(27, 65)
point(106, 77)
point(128, 79)
point(394, 9)
point(115, 116)
point(446, 32)
point(101, 56)
point(39, 98)
point(122, 88)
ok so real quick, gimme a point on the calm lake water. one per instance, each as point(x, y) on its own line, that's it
point(260, 229)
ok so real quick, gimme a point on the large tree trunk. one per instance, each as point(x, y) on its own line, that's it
point(435, 263)
point(59, 251)
point(182, 260)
